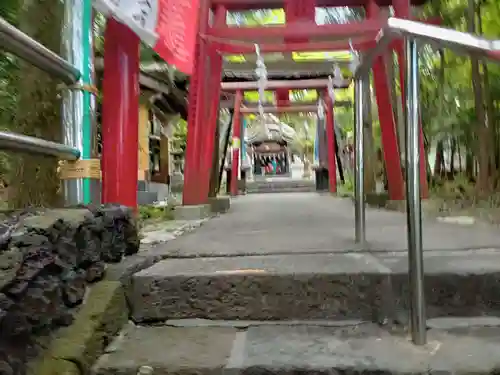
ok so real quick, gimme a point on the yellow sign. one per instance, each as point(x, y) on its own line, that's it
point(70, 170)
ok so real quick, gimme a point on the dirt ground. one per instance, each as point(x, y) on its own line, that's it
point(486, 210)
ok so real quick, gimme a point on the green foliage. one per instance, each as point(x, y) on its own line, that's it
point(147, 213)
point(458, 189)
point(30, 105)
point(450, 110)
point(180, 135)
point(9, 70)
point(348, 186)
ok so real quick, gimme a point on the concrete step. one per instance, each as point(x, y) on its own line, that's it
point(260, 288)
point(366, 348)
point(314, 286)
point(146, 197)
point(277, 186)
point(281, 183)
point(264, 190)
point(458, 283)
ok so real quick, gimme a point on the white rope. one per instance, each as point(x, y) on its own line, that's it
point(336, 81)
point(261, 72)
point(355, 58)
point(321, 109)
point(331, 89)
point(338, 78)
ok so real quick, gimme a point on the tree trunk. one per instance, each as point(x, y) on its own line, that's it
point(35, 181)
point(483, 147)
point(489, 111)
point(469, 164)
point(438, 163)
point(453, 149)
point(459, 154)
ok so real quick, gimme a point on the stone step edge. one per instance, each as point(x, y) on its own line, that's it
point(290, 350)
point(373, 266)
point(433, 323)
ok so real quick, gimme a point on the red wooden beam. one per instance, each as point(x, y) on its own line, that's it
point(299, 30)
point(282, 97)
point(299, 10)
point(276, 4)
point(494, 55)
point(276, 85)
point(359, 44)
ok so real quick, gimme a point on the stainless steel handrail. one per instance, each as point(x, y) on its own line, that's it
point(442, 37)
point(18, 142)
point(430, 34)
point(21, 45)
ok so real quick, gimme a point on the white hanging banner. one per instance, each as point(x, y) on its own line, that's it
point(168, 26)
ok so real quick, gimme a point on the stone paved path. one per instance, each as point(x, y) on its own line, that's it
point(312, 223)
point(290, 350)
point(277, 286)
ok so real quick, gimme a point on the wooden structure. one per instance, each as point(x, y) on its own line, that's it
point(161, 103)
point(159, 112)
point(269, 144)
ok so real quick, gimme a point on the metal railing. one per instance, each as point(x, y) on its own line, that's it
point(21, 45)
point(441, 37)
point(18, 142)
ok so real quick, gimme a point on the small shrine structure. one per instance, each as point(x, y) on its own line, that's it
point(269, 143)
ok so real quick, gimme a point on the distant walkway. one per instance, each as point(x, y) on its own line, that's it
point(266, 224)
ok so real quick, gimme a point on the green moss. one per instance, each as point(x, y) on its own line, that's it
point(53, 366)
point(33, 179)
point(102, 316)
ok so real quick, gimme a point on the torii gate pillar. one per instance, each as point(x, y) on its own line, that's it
point(387, 122)
point(120, 115)
point(197, 109)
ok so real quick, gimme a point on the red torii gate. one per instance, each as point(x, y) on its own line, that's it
point(283, 86)
point(215, 40)
point(120, 85)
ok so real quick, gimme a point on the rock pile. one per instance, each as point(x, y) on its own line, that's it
point(47, 259)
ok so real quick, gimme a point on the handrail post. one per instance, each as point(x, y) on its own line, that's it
point(359, 194)
point(413, 203)
point(78, 105)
